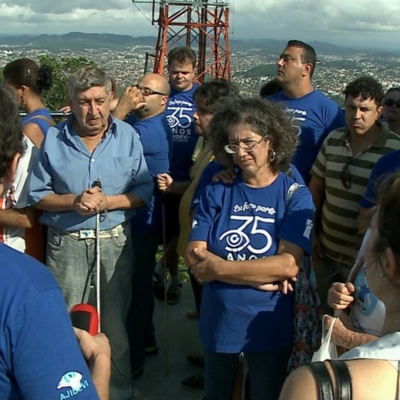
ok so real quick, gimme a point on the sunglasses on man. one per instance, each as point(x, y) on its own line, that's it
point(391, 103)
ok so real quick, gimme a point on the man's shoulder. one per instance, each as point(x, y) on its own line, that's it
point(320, 101)
point(338, 133)
point(19, 271)
point(389, 161)
point(186, 95)
point(155, 124)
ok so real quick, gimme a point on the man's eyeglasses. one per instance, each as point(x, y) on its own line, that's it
point(391, 102)
point(149, 92)
point(345, 175)
point(248, 146)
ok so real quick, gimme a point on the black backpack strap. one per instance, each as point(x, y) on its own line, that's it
point(323, 379)
point(343, 379)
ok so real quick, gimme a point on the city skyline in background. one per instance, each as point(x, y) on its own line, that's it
point(364, 23)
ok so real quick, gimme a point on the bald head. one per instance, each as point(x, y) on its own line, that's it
point(157, 82)
point(155, 102)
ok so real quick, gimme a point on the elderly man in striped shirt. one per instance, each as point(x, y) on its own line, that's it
point(339, 178)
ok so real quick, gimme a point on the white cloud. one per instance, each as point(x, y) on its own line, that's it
point(360, 21)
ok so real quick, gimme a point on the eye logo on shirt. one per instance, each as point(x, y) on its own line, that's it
point(71, 383)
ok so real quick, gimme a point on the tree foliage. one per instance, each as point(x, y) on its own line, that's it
point(56, 97)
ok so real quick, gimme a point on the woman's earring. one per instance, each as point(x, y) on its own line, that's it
point(272, 155)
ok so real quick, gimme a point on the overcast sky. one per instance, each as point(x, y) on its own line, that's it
point(371, 23)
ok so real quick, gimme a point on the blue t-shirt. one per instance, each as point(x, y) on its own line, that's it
point(40, 122)
point(214, 167)
point(39, 354)
point(179, 111)
point(384, 167)
point(242, 223)
point(156, 138)
point(317, 115)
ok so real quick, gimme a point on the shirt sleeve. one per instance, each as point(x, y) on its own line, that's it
point(205, 179)
point(21, 183)
point(206, 211)
point(142, 183)
point(46, 359)
point(297, 223)
point(40, 182)
point(319, 167)
point(370, 196)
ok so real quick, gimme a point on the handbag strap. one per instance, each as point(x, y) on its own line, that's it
point(324, 382)
point(343, 380)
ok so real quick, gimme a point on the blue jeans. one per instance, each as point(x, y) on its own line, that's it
point(139, 323)
point(69, 259)
point(267, 373)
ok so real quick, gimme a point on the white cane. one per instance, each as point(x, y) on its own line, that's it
point(97, 255)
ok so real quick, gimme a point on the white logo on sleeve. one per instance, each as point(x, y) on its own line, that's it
point(72, 382)
point(307, 231)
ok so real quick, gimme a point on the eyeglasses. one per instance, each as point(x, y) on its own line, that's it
point(248, 146)
point(345, 175)
point(149, 92)
point(392, 102)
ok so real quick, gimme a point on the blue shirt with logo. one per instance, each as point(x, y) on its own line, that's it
point(39, 354)
point(239, 222)
point(316, 115)
point(179, 112)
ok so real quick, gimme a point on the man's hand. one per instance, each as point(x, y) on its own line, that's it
point(225, 175)
point(97, 352)
point(164, 181)
point(131, 100)
point(284, 286)
point(91, 201)
point(93, 348)
point(340, 295)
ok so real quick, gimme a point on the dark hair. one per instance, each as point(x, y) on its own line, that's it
point(365, 87)
point(210, 96)
point(388, 218)
point(307, 55)
point(25, 72)
point(265, 118)
point(10, 130)
point(392, 89)
point(182, 55)
point(269, 88)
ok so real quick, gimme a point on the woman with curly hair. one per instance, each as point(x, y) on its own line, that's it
point(28, 81)
point(246, 244)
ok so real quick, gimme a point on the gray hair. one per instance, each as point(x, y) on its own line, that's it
point(87, 77)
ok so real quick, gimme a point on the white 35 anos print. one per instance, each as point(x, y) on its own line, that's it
point(251, 231)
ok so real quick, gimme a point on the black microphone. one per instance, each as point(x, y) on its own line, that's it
point(97, 183)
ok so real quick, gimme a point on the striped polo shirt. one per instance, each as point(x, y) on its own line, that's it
point(341, 208)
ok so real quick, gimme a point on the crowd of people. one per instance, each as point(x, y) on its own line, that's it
point(266, 199)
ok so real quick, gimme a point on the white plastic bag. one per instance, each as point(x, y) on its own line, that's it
point(327, 351)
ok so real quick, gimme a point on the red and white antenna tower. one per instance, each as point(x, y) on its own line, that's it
point(201, 25)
